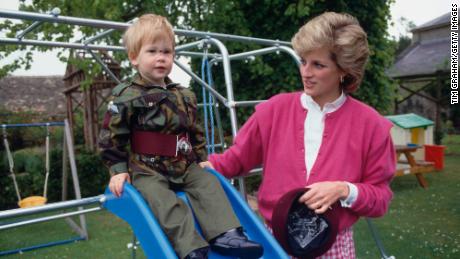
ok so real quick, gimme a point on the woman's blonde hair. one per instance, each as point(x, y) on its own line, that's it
point(344, 37)
point(148, 28)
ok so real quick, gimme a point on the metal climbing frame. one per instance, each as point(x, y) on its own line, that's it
point(204, 42)
point(68, 158)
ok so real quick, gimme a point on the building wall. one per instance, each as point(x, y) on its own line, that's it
point(402, 136)
point(418, 105)
point(433, 34)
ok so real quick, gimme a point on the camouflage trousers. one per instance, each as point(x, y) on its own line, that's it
point(208, 201)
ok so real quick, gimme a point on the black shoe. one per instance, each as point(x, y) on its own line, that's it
point(235, 243)
point(200, 253)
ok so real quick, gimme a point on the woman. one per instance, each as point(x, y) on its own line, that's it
point(321, 138)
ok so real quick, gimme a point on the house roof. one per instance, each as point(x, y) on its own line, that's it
point(426, 57)
point(410, 121)
point(42, 94)
point(423, 58)
point(441, 21)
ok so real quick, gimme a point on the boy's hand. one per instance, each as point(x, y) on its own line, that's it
point(116, 183)
point(206, 164)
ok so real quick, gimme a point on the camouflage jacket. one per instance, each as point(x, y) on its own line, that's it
point(138, 105)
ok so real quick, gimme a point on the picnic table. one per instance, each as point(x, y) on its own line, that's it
point(408, 165)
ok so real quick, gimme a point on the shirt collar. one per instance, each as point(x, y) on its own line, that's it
point(309, 104)
point(138, 80)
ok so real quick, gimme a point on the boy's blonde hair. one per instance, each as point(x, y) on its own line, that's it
point(345, 39)
point(148, 28)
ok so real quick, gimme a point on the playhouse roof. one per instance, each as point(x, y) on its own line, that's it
point(410, 120)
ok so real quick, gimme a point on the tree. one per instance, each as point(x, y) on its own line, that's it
point(275, 19)
point(404, 39)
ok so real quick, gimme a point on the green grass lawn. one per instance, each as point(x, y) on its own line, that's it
point(421, 223)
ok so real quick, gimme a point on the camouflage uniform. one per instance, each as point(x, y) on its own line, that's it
point(171, 110)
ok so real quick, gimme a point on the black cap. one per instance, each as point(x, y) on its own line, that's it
point(299, 230)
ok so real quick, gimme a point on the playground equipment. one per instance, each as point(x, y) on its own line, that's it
point(68, 157)
point(204, 43)
point(132, 208)
point(31, 200)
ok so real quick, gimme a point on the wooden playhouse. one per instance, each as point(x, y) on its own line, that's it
point(411, 134)
point(412, 129)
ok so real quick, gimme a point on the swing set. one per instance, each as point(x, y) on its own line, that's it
point(68, 159)
point(206, 42)
point(31, 200)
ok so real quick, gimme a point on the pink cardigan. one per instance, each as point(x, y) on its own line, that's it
point(356, 147)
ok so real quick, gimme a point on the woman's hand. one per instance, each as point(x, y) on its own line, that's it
point(206, 164)
point(116, 183)
point(322, 195)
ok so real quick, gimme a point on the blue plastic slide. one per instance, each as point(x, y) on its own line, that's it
point(133, 209)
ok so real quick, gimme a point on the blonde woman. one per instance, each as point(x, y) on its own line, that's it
point(320, 137)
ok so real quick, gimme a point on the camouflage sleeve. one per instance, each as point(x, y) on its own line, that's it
point(197, 138)
point(114, 138)
point(198, 142)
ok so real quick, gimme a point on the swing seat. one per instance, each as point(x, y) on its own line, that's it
point(32, 201)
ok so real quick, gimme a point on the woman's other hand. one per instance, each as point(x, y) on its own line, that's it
point(322, 195)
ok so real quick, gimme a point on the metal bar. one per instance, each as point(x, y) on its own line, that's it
point(377, 240)
point(75, 227)
point(64, 169)
point(256, 171)
point(21, 34)
point(292, 53)
point(51, 207)
point(105, 33)
point(103, 65)
point(197, 54)
point(219, 126)
point(29, 248)
point(13, 14)
point(98, 36)
point(216, 145)
point(122, 26)
point(73, 171)
point(39, 124)
point(201, 82)
point(59, 44)
point(228, 82)
point(247, 103)
point(55, 12)
point(244, 55)
point(229, 37)
point(48, 218)
point(134, 247)
point(231, 107)
point(188, 45)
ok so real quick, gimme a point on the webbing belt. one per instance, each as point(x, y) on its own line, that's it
point(159, 144)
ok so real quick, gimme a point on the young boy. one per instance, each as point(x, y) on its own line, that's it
point(157, 118)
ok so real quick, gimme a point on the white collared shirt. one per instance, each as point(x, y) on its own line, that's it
point(313, 136)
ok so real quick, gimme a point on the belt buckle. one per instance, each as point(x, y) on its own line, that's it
point(183, 146)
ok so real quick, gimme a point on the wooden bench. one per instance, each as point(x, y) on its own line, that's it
point(412, 166)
